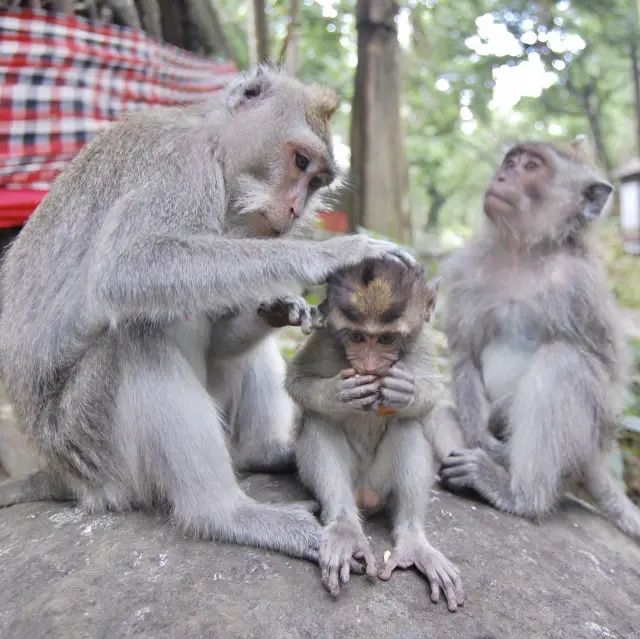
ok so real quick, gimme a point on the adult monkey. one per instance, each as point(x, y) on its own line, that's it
point(131, 338)
point(537, 352)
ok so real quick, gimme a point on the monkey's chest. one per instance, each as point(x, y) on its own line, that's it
point(516, 334)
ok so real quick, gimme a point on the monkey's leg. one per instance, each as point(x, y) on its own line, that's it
point(404, 464)
point(326, 463)
point(184, 456)
point(611, 499)
point(264, 415)
point(554, 422)
point(442, 430)
point(444, 433)
point(38, 486)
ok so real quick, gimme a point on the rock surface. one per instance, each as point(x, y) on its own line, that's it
point(66, 574)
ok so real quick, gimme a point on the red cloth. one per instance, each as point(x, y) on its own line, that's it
point(63, 79)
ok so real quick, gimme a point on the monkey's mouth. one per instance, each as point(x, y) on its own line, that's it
point(498, 196)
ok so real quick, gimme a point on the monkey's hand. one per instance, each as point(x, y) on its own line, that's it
point(355, 247)
point(398, 388)
point(292, 311)
point(343, 544)
point(413, 549)
point(356, 392)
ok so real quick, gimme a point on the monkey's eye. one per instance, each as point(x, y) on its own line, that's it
point(509, 164)
point(356, 337)
point(302, 161)
point(386, 339)
point(531, 165)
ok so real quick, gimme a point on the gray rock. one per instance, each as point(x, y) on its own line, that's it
point(66, 574)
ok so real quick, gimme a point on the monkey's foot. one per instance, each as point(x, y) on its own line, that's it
point(462, 468)
point(274, 457)
point(415, 550)
point(343, 544)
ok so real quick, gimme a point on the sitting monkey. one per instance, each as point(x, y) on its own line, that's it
point(366, 383)
point(537, 352)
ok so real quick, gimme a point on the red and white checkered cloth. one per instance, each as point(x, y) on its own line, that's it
point(63, 79)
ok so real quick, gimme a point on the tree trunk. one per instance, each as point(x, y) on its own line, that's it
point(62, 6)
point(290, 57)
point(378, 199)
point(261, 30)
point(149, 11)
point(204, 17)
point(437, 202)
point(635, 69)
point(172, 15)
point(125, 12)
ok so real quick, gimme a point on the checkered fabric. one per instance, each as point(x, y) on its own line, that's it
point(63, 79)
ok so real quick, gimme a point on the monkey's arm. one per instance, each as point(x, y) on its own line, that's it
point(471, 400)
point(137, 270)
point(325, 463)
point(317, 380)
point(237, 333)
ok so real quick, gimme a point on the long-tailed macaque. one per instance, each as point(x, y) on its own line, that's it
point(537, 353)
point(132, 348)
point(367, 384)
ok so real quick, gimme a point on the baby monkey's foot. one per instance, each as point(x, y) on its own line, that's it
point(415, 550)
point(293, 310)
point(342, 547)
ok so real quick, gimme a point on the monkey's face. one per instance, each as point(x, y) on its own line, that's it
point(540, 191)
point(375, 309)
point(282, 155)
point(372, 353)
point(518, 185)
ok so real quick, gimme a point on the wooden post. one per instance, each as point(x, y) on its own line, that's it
point(378, 199)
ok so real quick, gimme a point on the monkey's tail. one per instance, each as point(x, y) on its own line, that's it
point(37, 486)
point(612, 500)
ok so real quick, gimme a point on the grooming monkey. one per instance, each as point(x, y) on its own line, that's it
point(537, 353)
point(132, 347)
point(366, 384)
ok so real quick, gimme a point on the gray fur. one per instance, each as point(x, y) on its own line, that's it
point(130, 345)
point(539, 362)
point(343, 447)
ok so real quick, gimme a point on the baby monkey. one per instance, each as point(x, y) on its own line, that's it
point(366, 384)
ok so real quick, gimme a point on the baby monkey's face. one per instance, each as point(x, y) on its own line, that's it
point(372, 352)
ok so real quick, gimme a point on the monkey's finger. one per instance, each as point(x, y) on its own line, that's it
point(449, 590)
point(370, 563)
point(399, 384)
point(428, 570)
point(348, 372)
point(395, 399)
point(364, 402)
point(345, 571)
point(306, 324)
point(359, 380)
point(399, 372)
point(360, 391)
point(330, 580)
point(356, 567)
point(387, 570)
point(403, 256)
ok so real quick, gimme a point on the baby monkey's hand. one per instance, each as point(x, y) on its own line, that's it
point(357, 392)
point(293, 310)
point(397, 389)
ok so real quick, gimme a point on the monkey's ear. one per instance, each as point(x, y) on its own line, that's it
point(596, 195)
point(250, 90)
point(432, 295)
